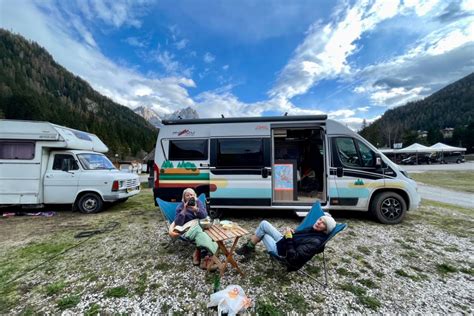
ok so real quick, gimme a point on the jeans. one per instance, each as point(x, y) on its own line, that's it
point(269, 236)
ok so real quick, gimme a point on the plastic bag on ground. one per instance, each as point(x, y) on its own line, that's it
point(231, 300)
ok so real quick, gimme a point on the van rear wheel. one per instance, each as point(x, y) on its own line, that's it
point(215, 213)
point(90, 203)
point(389, 208)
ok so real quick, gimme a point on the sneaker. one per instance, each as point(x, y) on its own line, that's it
point(196, 257)
point(245, 250)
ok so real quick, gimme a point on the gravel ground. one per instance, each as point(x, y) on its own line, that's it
point(424, 265)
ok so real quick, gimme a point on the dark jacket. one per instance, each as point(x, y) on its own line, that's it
point(184, 217)
point(301, 248)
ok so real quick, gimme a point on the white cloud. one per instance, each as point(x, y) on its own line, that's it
point(363, 109)
point(323, 53)
point(112, 12)
point(440, 57)
point(225, 67)
point(136, 42)
point(181, 44)
point(208, 58)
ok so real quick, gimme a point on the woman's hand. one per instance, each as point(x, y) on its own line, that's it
point(174, 234)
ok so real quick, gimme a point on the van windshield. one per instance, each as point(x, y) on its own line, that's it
point(95, 162)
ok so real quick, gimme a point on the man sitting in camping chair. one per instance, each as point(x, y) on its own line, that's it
point(292, 248)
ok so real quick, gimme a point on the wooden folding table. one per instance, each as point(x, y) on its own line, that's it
point(220, 235)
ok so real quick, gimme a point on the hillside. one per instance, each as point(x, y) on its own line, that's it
point(452, 106)
point(34, 87)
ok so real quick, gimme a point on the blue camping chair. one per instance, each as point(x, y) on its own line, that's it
point(168, 210)
point(313, 215)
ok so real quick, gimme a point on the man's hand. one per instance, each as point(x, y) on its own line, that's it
point(288, 232)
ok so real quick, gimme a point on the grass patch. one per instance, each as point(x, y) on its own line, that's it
point(445, 268)
point(55, 288)
point(451, 249)
point(141, 284)
point(297, 303)
point(454, 180)
point(468, 271)
point(93, 310)
point(263, 307)
point(368, 283)
point(370, 302)
point(68, 302)
point(354, 289)
point(345, 272)
point(363, 249)
point(118, 291)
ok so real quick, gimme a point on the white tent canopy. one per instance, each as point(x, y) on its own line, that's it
point(446, 148)
point(416, 148)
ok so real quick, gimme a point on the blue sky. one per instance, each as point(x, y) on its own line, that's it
point(352, 60)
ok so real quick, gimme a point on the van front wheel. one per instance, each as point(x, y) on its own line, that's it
point(389, 208)
point(90, 203)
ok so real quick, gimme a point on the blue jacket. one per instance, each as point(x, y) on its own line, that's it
point(183, 217)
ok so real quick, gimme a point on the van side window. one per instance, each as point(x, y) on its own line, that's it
point(240, 153)
point(368, 156)
point(347, 152)
point(64, 162)
point(195, 149)
point(17, 150)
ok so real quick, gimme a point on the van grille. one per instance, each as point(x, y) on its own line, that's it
point(131, 183)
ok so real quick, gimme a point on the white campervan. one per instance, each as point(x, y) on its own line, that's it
point(285, 162)
point(43, 163)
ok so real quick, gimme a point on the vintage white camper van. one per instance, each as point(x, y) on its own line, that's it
point(285, 162)
point(43, 163)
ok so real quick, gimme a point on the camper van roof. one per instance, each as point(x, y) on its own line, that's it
point(247, 119)
point(48, 132)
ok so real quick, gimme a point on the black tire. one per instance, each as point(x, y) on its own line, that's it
point(90, 203)
point(389, 208)
point(215, 213)
point(458, 161)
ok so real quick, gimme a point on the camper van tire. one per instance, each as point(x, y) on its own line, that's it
point(389, 207)
point(90, 203)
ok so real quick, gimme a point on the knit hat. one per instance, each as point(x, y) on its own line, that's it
point(330, 223)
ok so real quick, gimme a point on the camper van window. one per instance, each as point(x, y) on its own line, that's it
point(17, 150)
point(368, 156)
point(241, 153)
point(347, 152)
point(195, 149)
point(64, 162)
point(95, 162)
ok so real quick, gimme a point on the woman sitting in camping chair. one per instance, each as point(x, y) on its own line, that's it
point(294, 249)
point(189, 209)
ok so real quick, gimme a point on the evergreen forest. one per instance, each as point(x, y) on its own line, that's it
point(34, 87)
point(450, 107)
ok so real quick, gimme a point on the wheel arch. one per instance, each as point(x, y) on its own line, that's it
point(400, 192)
point(83, 192)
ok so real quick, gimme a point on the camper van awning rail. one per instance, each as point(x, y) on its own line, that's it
point(248, 119)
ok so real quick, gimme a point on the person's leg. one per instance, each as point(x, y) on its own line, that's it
point(265, 232)
point(265, 228)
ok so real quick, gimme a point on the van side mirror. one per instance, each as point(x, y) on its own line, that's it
point(65, 167)
point(378, 161)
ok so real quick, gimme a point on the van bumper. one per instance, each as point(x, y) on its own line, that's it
point(115, 196)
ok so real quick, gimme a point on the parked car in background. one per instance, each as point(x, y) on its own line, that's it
point(410, 160)
point(451, 157)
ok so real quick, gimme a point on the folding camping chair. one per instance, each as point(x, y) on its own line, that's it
point(313, 215)
point(168, 210)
